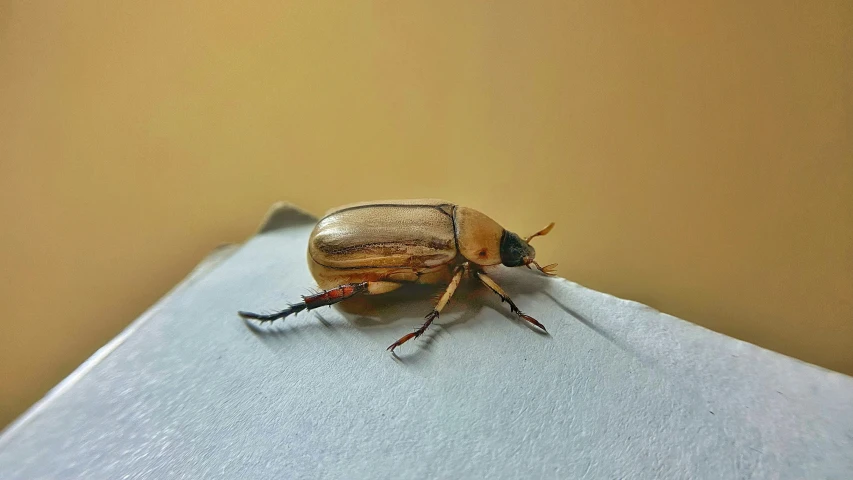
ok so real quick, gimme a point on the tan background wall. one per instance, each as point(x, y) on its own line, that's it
point(697, 156)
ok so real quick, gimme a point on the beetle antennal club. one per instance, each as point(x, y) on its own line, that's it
point(540, 233)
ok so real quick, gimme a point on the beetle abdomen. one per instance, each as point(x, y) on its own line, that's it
point(416, 234)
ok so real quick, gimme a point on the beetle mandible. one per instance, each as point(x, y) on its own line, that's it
point(376, 247)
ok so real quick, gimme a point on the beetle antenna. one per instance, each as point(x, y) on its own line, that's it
point(540, 233)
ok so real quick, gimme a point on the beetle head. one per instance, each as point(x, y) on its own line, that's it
point(515, 252)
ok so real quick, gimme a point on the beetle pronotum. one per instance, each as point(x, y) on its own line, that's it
point(376, 247)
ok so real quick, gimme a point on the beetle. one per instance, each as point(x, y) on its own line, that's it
point(372, 248)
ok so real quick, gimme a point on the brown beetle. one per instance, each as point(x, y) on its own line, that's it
point(376, 247)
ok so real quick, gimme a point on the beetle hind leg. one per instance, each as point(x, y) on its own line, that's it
point(326, 297)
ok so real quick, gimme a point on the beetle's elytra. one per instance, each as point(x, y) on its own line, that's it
point(376, 247)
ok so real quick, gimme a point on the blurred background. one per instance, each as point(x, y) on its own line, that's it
point(696, 156)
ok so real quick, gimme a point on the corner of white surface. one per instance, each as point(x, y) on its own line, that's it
point(281, 214)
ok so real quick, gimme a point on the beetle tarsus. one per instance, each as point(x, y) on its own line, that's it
point(417, 333)
point(270, 317)
point(493, 286)
point(439, 306)
point(530, 319)
point(402, 340)
point(527, 318)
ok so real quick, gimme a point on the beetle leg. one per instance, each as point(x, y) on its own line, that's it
point(326, 297)
point(487, 281)
point(457, 277)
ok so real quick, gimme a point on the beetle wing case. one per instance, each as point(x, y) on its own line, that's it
point(398, 240)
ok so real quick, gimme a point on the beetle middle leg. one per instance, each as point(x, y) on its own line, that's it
point(326, 297)
point(487, 281)
point(445, 297)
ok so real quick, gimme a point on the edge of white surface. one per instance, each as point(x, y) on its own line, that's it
point(211, 261)
point(279, 215)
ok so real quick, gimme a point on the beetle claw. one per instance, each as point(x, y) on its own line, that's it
point(532, 320)
point(405, 338)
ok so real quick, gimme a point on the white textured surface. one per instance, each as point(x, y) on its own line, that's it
point(618, 390)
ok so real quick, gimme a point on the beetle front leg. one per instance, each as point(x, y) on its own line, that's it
point(487, 281)
point(326, 297)
point(445, 297)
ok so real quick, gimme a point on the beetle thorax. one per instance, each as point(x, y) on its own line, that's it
point(478, 236)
